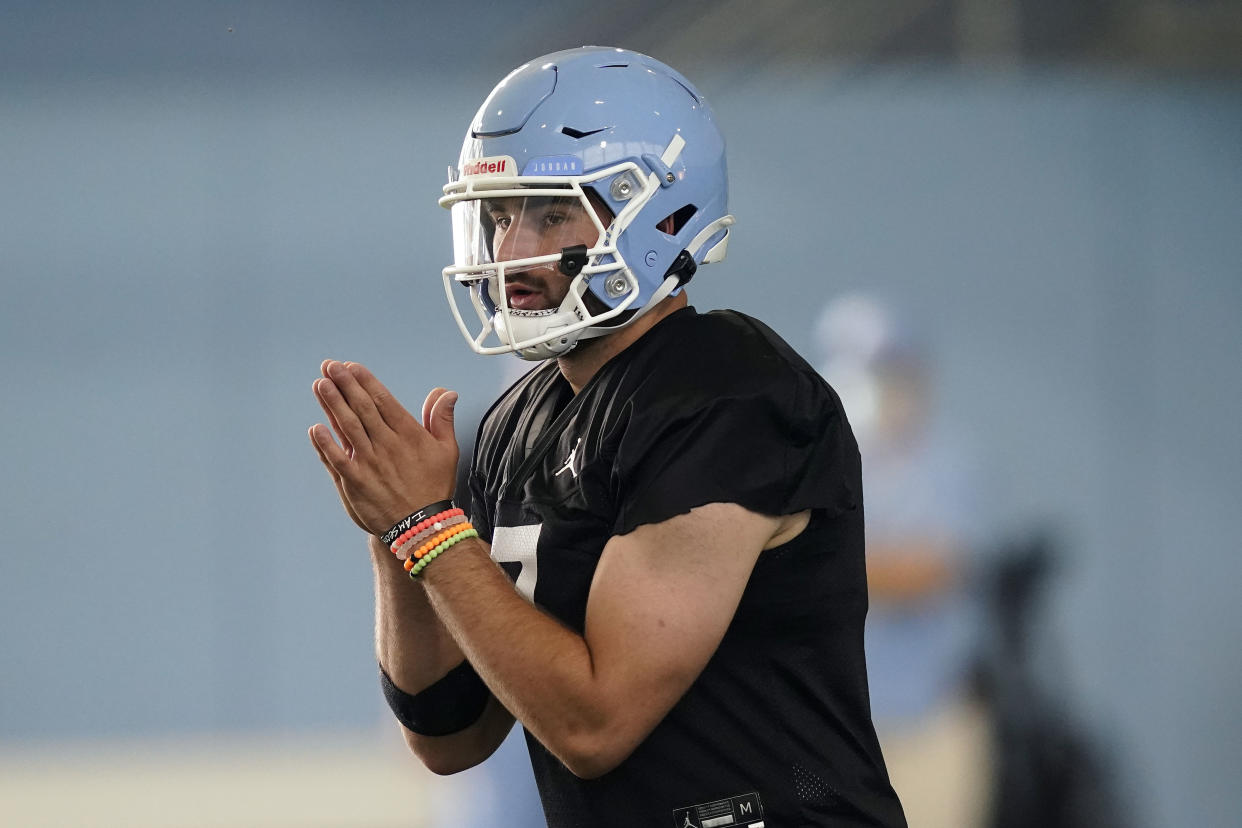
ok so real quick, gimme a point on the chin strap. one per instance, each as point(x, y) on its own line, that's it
point(681, 271)
point(718, 250)
point(670, 284)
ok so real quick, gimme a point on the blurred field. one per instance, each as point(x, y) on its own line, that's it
point(322, 781)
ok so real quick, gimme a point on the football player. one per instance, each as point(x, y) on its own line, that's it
point(662, 575)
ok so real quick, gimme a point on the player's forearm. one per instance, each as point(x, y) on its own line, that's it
point(538, 668)
point(410, 642)
point(416, 651)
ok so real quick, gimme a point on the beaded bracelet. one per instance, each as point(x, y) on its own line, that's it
point(402, 549)
point(414, 517)
point(434, 542)
point(422, 527)
point(417, 569)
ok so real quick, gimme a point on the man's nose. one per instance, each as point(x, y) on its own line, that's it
point(521, 242)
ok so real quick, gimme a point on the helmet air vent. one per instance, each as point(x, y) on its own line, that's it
point(577, 133)
point(513, 101)
point(673, 222)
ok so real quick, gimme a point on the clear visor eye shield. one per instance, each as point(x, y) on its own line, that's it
point(510, 230)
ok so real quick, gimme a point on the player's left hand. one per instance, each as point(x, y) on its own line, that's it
point(386, 465)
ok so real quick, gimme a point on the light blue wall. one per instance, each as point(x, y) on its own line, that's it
point(178, 253)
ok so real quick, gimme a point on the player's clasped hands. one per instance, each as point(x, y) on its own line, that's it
point(385, 464)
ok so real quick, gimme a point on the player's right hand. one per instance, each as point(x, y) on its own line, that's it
point(386, 464)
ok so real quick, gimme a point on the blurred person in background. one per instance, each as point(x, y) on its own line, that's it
point(922, 529)
point(662, 576)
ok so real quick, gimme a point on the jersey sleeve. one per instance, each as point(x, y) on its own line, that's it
point(480, 517)
point(775, 445)
point(476, 487)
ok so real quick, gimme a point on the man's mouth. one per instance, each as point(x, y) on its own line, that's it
point(524, 297)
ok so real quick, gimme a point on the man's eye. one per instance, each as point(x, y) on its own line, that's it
point(502, 222)
point(553, 219)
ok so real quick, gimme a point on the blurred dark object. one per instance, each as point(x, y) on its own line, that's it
point(1050, 770)
point(1200, 36)
point(77, 37)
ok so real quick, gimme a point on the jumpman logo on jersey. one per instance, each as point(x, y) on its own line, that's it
point(569, 462)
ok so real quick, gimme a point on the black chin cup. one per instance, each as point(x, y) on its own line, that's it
point(573, 259)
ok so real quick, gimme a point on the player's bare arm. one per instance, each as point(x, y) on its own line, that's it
point(659, 605)
point(660, 602)
point(416, 651)
point(380, 442)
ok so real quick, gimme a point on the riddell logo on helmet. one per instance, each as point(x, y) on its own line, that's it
point(497, 165)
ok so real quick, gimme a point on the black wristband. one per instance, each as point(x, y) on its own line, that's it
point(417, 517)
point(451, 704)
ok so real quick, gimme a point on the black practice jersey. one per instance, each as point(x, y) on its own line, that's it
point(703, 408)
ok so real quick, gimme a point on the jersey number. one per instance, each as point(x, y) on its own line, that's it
point(518, 544)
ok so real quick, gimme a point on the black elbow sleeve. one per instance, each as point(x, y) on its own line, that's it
point(451, 704)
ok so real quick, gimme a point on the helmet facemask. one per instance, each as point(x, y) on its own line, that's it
point(516, 239)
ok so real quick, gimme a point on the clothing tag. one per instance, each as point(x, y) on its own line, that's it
point(745, 811)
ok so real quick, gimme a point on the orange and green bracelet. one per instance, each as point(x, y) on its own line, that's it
point(427, 553)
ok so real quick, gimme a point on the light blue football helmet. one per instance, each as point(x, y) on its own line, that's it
point(592, 123)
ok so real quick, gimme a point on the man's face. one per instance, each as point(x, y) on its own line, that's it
point(539, 226)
